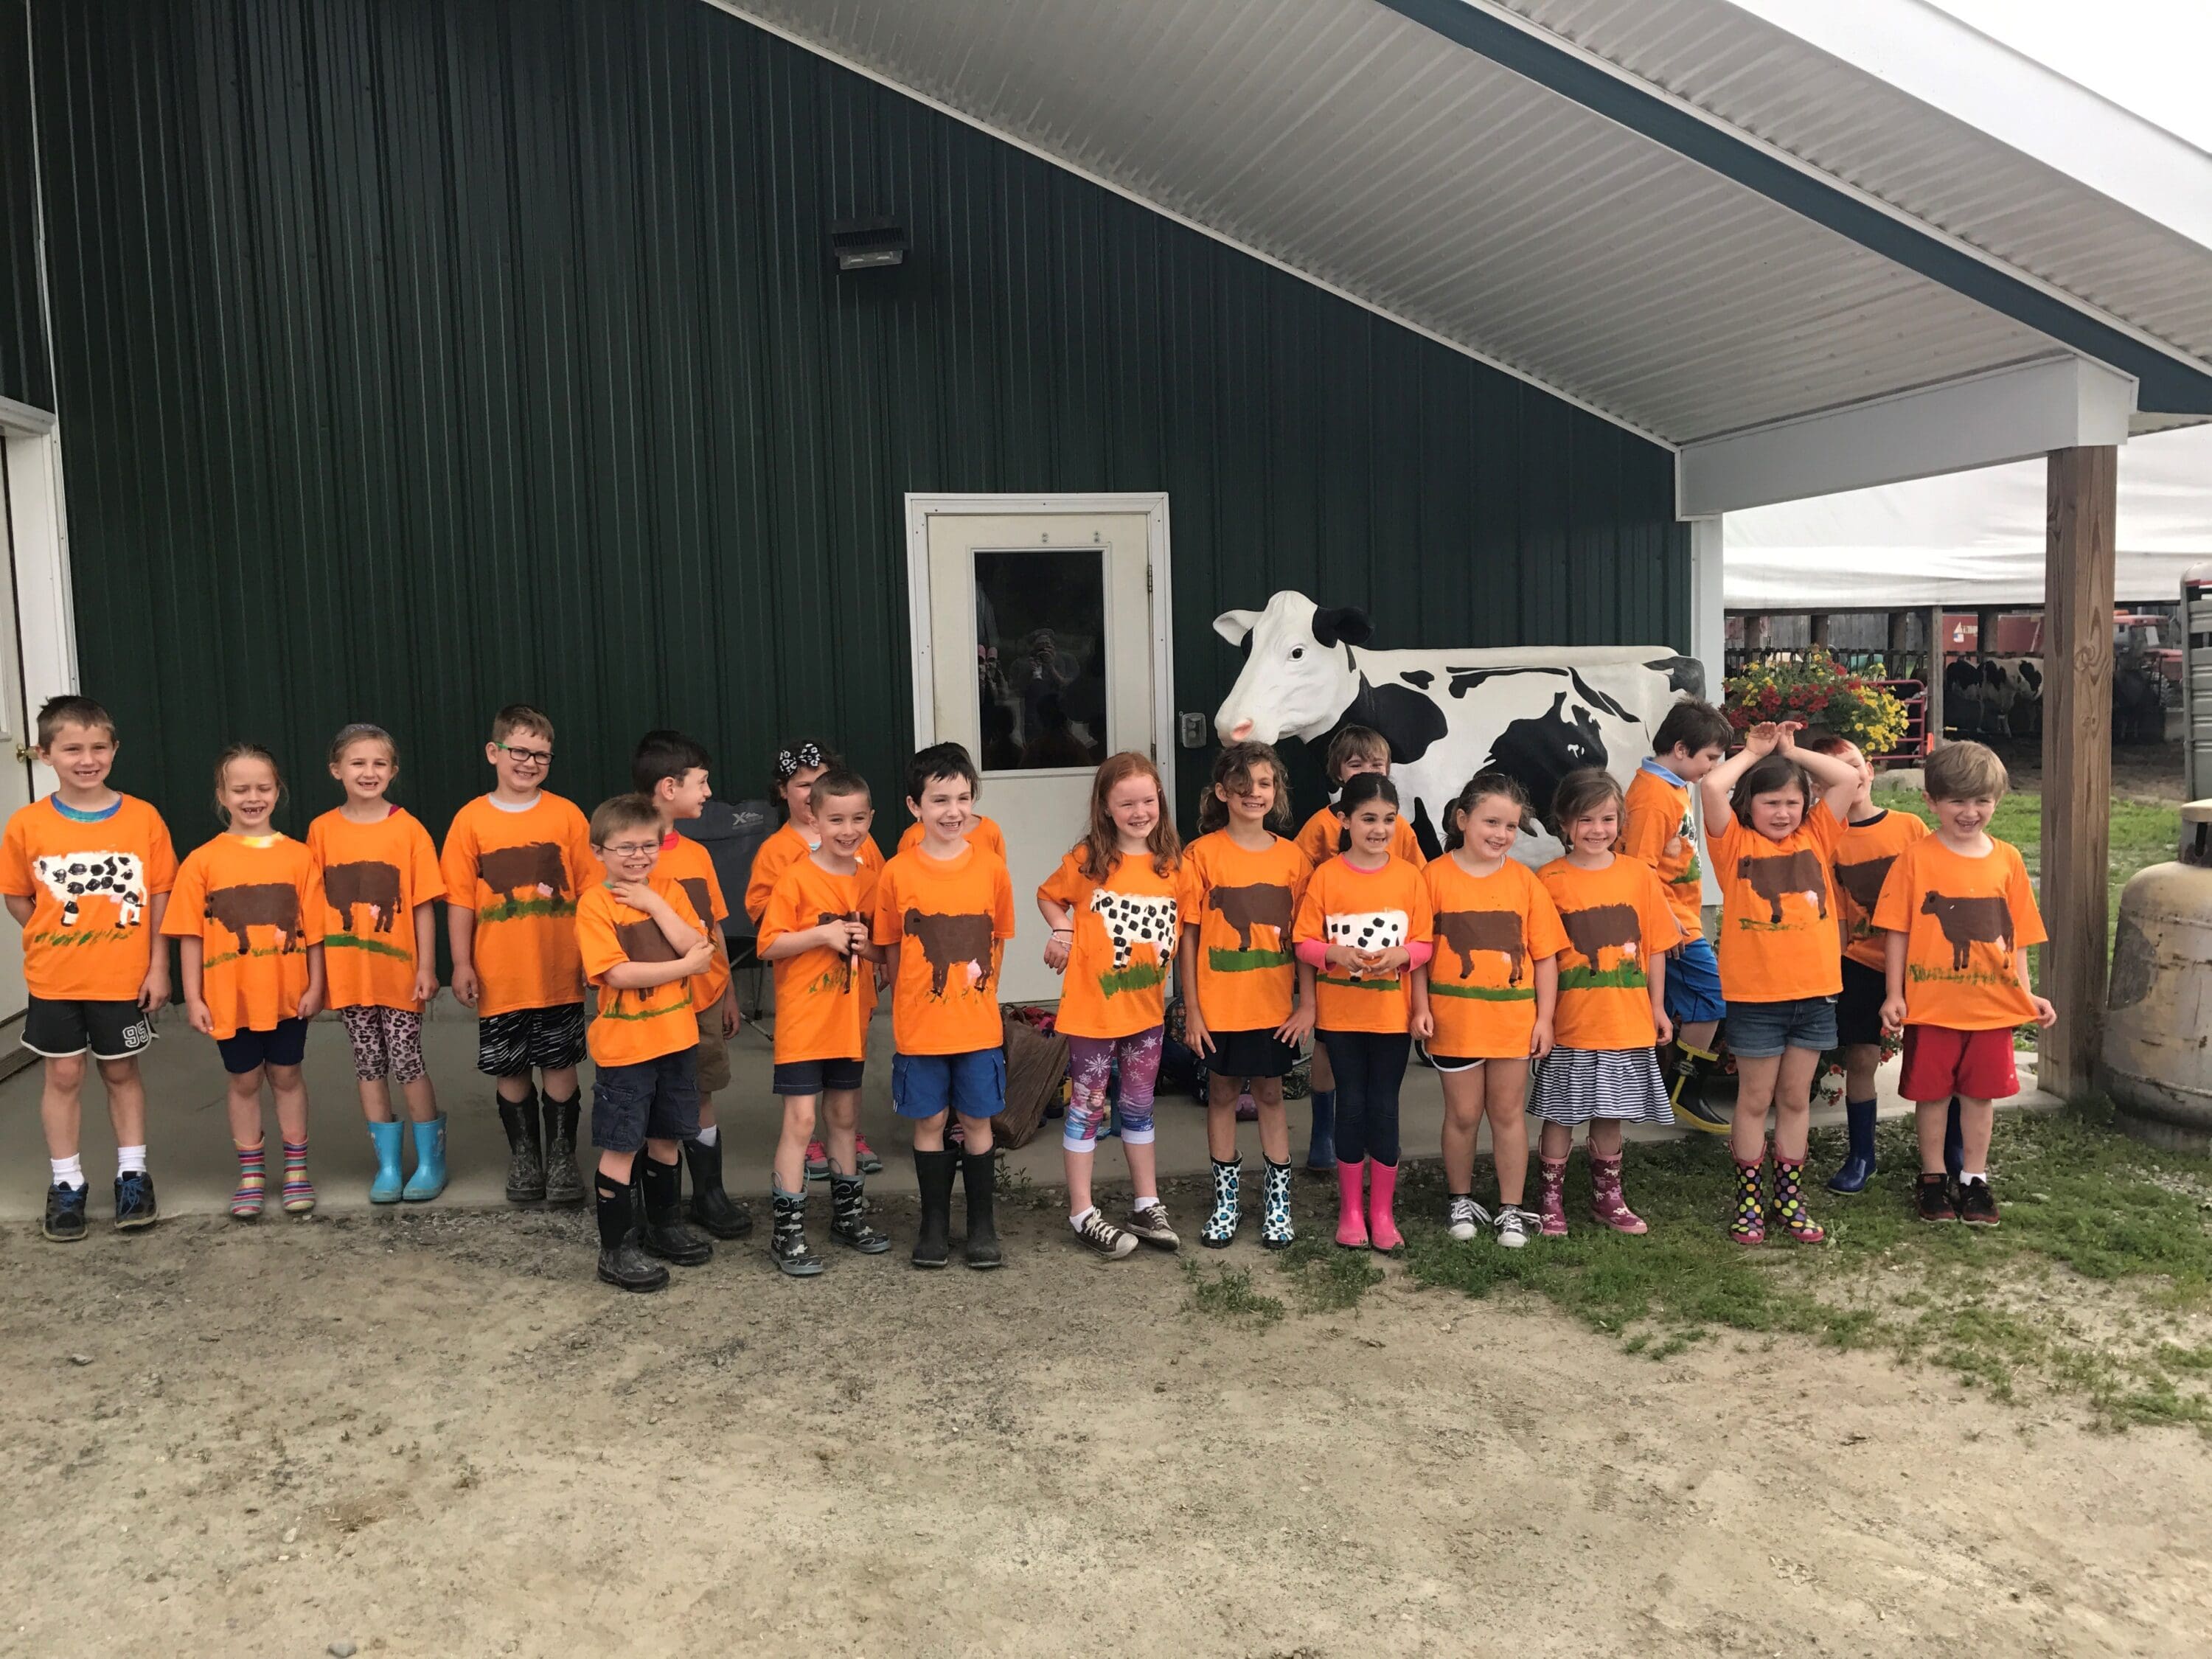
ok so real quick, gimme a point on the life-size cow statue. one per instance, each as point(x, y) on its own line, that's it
point(1536, 712)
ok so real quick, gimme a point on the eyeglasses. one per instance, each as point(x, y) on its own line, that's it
point(526, 756)
point(632, 849)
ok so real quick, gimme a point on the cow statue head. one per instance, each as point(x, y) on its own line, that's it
point(1298, 675)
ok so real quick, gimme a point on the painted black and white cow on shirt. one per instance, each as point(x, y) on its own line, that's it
point(1134, 919)
point(1536, 712)
point(73, 877)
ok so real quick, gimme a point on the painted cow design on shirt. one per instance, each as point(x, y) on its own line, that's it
point(533, 870)
point(1800, 872)
point(1863, 880)
point(73, 877)
point(1590, 930)
point(370, 882)
point(1535, 712)
point(950, 942)
point(1465, 932)
point(257, 904)
point(644, 941)
point(1967, 922)
point(1366, 930)
point(1257, 904)
point(1134, 919)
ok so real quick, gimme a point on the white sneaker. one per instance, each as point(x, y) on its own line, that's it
point(1512, 1223)
point(1464, 1216)
point(1150, 1225)
point(1099, 1235)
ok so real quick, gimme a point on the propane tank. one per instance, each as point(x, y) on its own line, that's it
point(2158, 1014)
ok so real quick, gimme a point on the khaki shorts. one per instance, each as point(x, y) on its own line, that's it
point(713, 1053)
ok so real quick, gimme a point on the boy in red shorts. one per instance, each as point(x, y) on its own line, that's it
point(1960, 916)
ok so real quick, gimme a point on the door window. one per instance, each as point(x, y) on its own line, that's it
point(1041, 658)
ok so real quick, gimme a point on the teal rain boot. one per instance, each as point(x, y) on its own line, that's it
point(429, 1177)
point(384, 1189)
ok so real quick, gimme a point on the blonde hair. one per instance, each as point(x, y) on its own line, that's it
point(362, 732)
point(1965, 771)
point(239, 751)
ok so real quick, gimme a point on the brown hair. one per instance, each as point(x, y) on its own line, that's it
point(1965, 771)
point(1770, 774)
point(1580, 794)
point(620, 812)
point(1100, 843)
point(1233, 769)
point(1355, 743)
point(72, 711)
point(1478, 788)
point(838, 781)
point(1693, 726)
point(239, 751)
point(362, 732)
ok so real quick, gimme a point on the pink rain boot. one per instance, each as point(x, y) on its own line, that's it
point(1552, 1197)
point(1350, 1204)
point(1381, 1225)
point(1607, 1206)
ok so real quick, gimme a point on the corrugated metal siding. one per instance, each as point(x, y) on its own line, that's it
point(24, 370)
point(416, 357)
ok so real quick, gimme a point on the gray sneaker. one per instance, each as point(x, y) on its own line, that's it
point(1102, 1236)
point(1512, 1223)
point(1464, 1218)
point(1150, 1225)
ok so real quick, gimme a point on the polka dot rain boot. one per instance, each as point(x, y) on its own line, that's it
point(1748, 1224)
point(1275, 1230)
point(1221, 1224)
point(1789, 1207)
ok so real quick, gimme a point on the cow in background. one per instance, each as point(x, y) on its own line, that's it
point(1535, 712)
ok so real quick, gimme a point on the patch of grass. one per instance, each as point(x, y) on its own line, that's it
point(1137, 976)
point(514, 910)
point(1227, 1293)
point(1328, 1279)
point(1245, 962)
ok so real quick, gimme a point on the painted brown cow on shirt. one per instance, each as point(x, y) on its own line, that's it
point(1256, 905)
point(1801, 871)
point(1466, 932)
point(518, 873)
point(1591, 930)
point(370, 882)
point(644, 941)
point(950, 942)
point(1967, 922)
point(257, 904)
point(1863, 880)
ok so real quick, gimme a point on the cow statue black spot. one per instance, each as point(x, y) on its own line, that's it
point(1537, 712)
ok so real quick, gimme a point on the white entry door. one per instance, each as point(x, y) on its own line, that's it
point(15, 770)
point(1039, 628)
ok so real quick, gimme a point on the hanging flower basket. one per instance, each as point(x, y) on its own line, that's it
point(1817, 691)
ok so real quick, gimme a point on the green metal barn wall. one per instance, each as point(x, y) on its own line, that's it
point(418, 355)
point(23, 375)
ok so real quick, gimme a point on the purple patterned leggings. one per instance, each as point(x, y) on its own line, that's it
point(1090, 1063)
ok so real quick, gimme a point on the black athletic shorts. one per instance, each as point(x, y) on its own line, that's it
point(547, 1039)
point(1250, 1054)
point(1859, 1010)
point(107, 1030)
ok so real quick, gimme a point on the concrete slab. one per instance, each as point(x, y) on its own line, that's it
point(193, 1169)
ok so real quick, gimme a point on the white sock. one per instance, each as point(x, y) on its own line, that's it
point(129, 1160)
point(1143, 1199)
point(709, 1135)
point(1965, 1176)
point(68, 1171)
point(1076, 1221)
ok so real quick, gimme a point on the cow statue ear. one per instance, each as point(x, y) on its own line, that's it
point(1343, 624)
point(1236, 626)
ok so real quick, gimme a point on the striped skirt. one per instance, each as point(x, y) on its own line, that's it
point(1574, 1086)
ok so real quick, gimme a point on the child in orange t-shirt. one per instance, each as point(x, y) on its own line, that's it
point(815, 930)
point(1781, 954)
point(981, 831)
point(381, 885)
point(1239, 891)
point(1112, 908)
point(1603, 1069)
point(1484, 1004)
point(515, 861)
point(248, 916)
point(641, 947)
point(670, 769)
point(1960, 915)
point(1363, 929)
point(943, 913)
point(86, 873)
point(1872, 840)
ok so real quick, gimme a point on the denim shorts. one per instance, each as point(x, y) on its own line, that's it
point(973, 1084)
point(1693, 984)
point(816, 1076)
point(1761, 1030)
point(652, 1100)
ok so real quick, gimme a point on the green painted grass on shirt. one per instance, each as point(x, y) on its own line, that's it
point(516, 910)
point(1627, 976)
point(1245, 962)
point(375, 947)
point(1485, 993)
point(1137, 976)
point(1359, 984)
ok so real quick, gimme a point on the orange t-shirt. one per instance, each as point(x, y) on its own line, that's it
point(1615, 920)
point(785, 849)
point(521, 872)
point(1123, 945)
point(1962, 919)
point(373, 875)
point(986, 834)
point(686, 862)
point(1370, 910)
point(1323, 837)
point(1490, 932)
point(822, 1004)
point(953, 917)
point(1658, 830)
point(1243, 904)
point(91, 884)
point(1779, 939)
point(630, 1026)
point(255, 909)
point(1861, 866)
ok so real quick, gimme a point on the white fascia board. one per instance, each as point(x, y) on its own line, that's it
point(2003, 414)
point(1955, 68)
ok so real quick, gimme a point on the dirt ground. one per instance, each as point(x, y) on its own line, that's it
point(434, 1434)
point(2144, 771)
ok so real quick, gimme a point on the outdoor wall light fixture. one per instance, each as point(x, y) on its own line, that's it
point(867, 244)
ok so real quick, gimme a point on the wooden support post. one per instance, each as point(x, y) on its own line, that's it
point(2082, 493)
point(1936, 643)
point(1901, 622)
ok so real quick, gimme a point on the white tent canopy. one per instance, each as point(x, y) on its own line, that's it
point(1969, 539)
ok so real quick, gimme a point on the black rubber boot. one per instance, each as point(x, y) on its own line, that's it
point(848, 1215)
point(933, 1176)
point(525, 1159)
point(665, 1235)
point(711, 1205)
point(979, 1174)
point(788, 1243)
point(622, 1263)
point(564, 1188)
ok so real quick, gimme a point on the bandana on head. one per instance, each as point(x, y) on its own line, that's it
point(790, 761)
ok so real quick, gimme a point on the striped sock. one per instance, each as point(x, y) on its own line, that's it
point(299, 1191)
point(246, 1200)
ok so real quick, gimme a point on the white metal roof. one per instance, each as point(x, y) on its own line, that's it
point(1365, 145)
